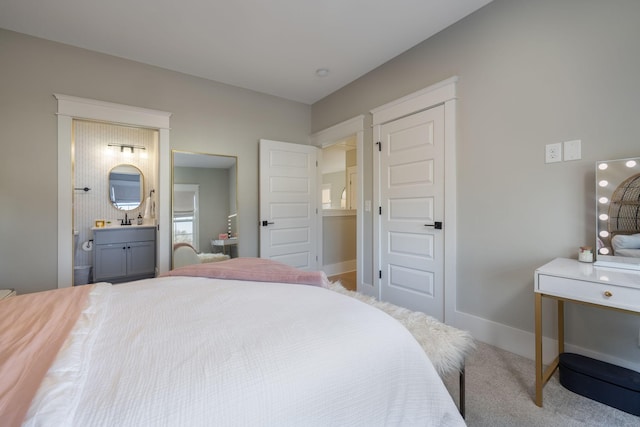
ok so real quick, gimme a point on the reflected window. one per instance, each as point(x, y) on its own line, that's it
point(185, 214)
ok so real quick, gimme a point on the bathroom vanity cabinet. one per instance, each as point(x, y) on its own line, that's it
point(124, 254)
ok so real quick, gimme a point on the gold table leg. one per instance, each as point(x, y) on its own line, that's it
point(538, 331)
point(543, 376)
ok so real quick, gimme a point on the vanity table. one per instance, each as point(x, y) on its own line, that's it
point(573, 281)
point(225, 243)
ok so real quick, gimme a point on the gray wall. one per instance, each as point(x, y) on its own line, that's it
point(208, 117)
point(339, 239)
point(531, 73)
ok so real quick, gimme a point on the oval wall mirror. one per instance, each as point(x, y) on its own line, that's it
point(126, 187)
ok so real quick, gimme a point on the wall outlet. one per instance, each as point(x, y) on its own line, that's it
point(553, 153)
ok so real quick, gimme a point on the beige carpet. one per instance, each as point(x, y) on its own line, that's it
point(500, 390)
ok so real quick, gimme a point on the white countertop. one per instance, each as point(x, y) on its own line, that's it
point(117, 226)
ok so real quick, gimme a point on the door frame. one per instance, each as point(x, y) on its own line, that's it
point(442, 93)
point(326, 138)
point(73, 107)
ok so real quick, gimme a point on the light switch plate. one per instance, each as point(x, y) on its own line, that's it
point(553, 153)
point(573, 150)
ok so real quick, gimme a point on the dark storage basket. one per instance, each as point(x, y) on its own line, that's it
point(606, 383)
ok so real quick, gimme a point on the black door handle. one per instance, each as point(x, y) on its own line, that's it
point(265, 223)
point(437, 225)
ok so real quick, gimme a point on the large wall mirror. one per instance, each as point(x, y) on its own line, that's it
point(204, 208)
point(618, 213)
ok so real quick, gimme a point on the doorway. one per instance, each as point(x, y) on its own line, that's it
point(438, 97)
point(338, 174)
point(70, 108)
point(99, 152)
point(411, 185)
point(340, 191)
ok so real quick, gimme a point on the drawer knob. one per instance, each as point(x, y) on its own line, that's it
point(608, 294)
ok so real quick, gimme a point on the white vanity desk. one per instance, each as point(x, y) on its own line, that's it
point(569, 280)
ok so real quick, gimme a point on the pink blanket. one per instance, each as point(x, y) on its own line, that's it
point(253, 269)
point(33, 327)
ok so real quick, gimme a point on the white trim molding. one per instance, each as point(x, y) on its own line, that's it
point(72, 107)
point(428, 97)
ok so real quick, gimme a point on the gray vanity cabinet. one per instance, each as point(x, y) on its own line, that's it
point(124, 254)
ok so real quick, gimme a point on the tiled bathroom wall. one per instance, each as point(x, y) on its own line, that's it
point(93, 159)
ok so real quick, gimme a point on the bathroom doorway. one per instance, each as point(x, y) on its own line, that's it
point(340, 191)
point(75, 108)
point(102, 151)
point(339, 212)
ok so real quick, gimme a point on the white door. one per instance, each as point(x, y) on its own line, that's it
point(411, 206)
point(288, 203)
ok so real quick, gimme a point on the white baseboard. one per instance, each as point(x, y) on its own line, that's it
point(523, 342)
point(339, 268)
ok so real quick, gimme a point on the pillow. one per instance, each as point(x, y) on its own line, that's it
point(622, 241)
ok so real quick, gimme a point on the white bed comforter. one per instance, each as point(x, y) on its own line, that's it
point(187, 351)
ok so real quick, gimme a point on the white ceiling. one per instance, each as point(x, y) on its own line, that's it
point(271, 46)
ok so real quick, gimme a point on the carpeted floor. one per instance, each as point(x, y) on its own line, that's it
point(500, 390)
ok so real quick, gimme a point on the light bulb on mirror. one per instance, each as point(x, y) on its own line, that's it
point(603, 183)
point(604, 251)
point(604, 233)
point(630, 163)
point(603, 217)
point(603, 200)
point(603, 166)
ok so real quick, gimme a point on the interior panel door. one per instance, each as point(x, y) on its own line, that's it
point(288, 203)
point(411, 197)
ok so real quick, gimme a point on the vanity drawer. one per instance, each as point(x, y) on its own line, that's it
point(592, 292)
point(119, 235)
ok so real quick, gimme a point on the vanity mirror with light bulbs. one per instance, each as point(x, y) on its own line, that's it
point(618, 213)
point(611, 282)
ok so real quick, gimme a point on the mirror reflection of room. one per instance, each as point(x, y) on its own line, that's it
point(126, 187)
point(100, 149)
point(618, 201)
point(204, 208)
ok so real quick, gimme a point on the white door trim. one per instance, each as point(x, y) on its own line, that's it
point(72, 107)
point(443, 93)
point(326, 137)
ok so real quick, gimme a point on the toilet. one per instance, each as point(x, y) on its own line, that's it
point(81, 273)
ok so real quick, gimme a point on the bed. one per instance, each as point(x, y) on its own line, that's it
point(237, 349)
